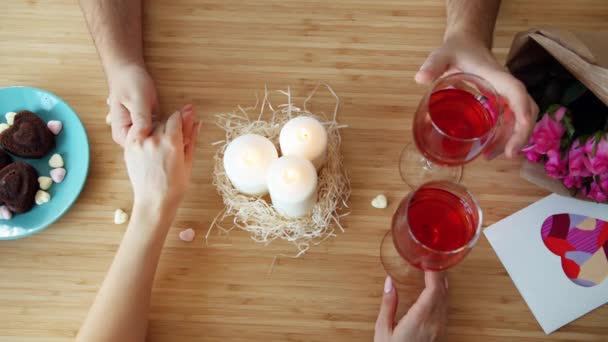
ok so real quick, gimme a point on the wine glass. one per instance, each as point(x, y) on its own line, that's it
point(455, 120)
point(433, 229)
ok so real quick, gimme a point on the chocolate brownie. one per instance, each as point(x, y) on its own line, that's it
point(18, 186)
point(5, 159)
point(28, 137)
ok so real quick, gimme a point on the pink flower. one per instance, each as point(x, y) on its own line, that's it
point(571, 181)
point(604, 182)
point(555, 166)
point(597, 163)
point(576, 161)
point(596, 193)
point(530, 153)
point(548, 132)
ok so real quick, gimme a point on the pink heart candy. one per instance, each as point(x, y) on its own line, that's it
point(54, 126)
point(187, 235)
point(58, 174)
point(5, 214)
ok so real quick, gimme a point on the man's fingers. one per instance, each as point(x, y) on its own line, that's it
point(434, 66)
point(519, 103)
point(386, 317)
point(522, 132)
point(174, 129)
point(120, 121)
point(141, 118)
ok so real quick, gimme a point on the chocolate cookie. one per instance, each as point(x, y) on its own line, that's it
point(18, 186)
point(5, 159)
point(28, 137)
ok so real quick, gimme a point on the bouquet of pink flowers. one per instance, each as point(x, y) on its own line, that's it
point(578, 159)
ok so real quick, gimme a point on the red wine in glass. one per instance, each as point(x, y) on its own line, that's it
point(458, 128)
point(433, 229)
point(454, 122)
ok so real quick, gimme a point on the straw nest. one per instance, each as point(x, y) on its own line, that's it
point(256, 215)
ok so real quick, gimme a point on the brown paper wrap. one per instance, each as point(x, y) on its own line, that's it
point(583, 54)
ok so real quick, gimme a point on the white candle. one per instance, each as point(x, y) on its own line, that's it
point(292, 183)
point(304, 137)
point(246, 161)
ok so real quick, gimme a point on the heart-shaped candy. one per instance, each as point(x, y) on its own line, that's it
point(54, 126)
point(187, 235)
point(58, 174)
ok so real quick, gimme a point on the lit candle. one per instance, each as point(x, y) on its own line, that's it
point(304, 137)
point(292, 183)
point(246, 161)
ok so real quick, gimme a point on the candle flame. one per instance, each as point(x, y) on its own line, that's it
point(250, 157)
point(304, 134)
point(291, 176)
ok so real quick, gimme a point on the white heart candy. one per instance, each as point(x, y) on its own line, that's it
point(380, 202)
point(5, 214)
point(58, 174)
point(56, 161)
point(54, 126)
point(187, 235)
point(120, 216)
point(42, 197)
point(3, 127)
point(10, 118)
point(108, 120)
point(45, 182)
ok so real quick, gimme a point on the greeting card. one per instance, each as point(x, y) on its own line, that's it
point(556, 252)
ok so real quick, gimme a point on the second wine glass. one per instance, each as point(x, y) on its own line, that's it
point(433, 229)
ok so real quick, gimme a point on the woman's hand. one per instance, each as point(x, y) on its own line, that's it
point(133, 101)
point(160, 165)
point(462, 52)
point(426, 319)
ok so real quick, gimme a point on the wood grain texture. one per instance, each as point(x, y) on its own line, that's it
point(217, 54)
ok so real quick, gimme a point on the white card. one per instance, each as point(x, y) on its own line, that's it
point(521, 241)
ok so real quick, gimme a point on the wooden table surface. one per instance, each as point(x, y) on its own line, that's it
point(217, 54)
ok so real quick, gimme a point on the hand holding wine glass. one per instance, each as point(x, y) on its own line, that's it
point(464, 53)
point(425, 321)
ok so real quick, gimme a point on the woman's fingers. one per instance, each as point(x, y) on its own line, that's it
point(188, 118)
point(174, 128)
point(190, 148)
point(426, 319)
point(434, 294)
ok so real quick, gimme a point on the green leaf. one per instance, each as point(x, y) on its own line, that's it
point(569, 127)
point(598, 137)
point(573, 93)
point(552, 109)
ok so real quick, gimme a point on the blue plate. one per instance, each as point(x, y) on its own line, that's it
point(73, 145)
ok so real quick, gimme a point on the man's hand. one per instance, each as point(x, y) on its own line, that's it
point(462, 53)
point(133, 102)
point(424, 322)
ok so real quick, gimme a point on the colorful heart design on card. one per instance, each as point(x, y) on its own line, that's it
point(582, 244)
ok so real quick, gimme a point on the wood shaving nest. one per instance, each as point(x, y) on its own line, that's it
point(256, 215)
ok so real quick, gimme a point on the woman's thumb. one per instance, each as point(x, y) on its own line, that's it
point(434, 66)
point(386, 317)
